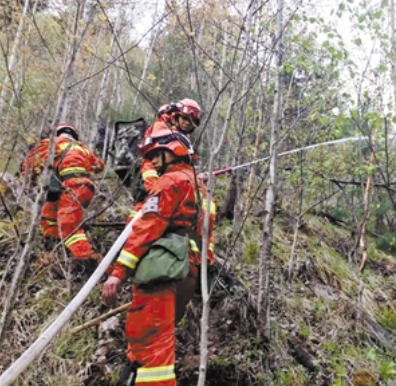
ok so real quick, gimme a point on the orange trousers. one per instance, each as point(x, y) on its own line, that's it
point(62, 219)
point(150, 328)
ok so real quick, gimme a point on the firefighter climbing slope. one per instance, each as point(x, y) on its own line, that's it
point(71, 189)
point(183, 116)
point(169, 213)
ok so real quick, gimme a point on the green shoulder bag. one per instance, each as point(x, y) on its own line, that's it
point(167, 259)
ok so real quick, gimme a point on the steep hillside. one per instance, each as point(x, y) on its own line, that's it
point(330, 325)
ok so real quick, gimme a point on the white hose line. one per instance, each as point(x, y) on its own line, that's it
point(9, 376)
point(44, 339)
point(337, 141)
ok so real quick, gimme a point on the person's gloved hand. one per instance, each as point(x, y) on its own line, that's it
point(110, 291)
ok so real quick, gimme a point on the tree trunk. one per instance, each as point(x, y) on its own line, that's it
point(153, 39)
point(256, 143)
point(263, 310)
point(362, 236)
point(63, 104)
point(105, 76)
point(216, 147)
point(11, 62)
point(393, 40)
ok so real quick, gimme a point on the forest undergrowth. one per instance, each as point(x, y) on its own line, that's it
point(330, 324)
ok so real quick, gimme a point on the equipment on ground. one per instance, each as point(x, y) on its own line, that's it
point(128, 135)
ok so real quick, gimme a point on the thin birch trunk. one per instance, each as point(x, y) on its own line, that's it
point(363, 227)
point(211, 183)
point(11, 62)
point(153, 39)
point(62, 108)
point(105, 76)
point(24, 258)
point(263, 310)
point(393, 39)
point(256, 142)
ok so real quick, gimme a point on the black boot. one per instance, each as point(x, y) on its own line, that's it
point(127, 375)
point(82, 269)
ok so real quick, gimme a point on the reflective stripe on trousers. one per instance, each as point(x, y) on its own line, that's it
point(155, 374)
point(150, 328)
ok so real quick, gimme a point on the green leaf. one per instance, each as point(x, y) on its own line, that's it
point(382, 68)
point(377, 15)
point(358, 41)
point(371, 354)
point(342, 7)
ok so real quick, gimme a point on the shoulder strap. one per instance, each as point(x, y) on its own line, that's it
point(197, 196)
point(63, 155)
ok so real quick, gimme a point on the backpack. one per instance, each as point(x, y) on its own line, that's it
point(126, 160)
point(55, 187)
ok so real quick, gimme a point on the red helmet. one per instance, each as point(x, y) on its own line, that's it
point(164, 113)
point(167, 139)
point(68, 129)
point(190, 109)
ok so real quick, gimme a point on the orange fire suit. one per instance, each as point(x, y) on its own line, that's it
point(147, 170)
point(156, 308)
point(150, 176)
point(62, 218)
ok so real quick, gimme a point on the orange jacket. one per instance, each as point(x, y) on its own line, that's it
point(171, 204)
point(147, 170)
point(77, 166)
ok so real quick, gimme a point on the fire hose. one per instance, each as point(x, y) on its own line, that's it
point(9, 376)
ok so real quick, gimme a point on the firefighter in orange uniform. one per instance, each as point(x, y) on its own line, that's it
point(183, 116)
point(170, 207)
point(75, 163)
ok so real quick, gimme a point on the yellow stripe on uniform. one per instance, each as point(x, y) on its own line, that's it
point(75, 146)
point(133, 213)
point(76, 170)
point(155, 374)
point(74, 239)
point(211, 247)
point(193, 246)
point(212, 206)
point(150, 174)
point(128, 259)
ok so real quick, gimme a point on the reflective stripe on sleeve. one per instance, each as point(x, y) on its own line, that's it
point(74, 239)
point(128, 259)
point(212, 207)
point(211, 247)
point(155, 374)
point(51, 221)
point(133, 213)
point(193, 246)
point(150, 174)
point(75, 146)
point(76, 170)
